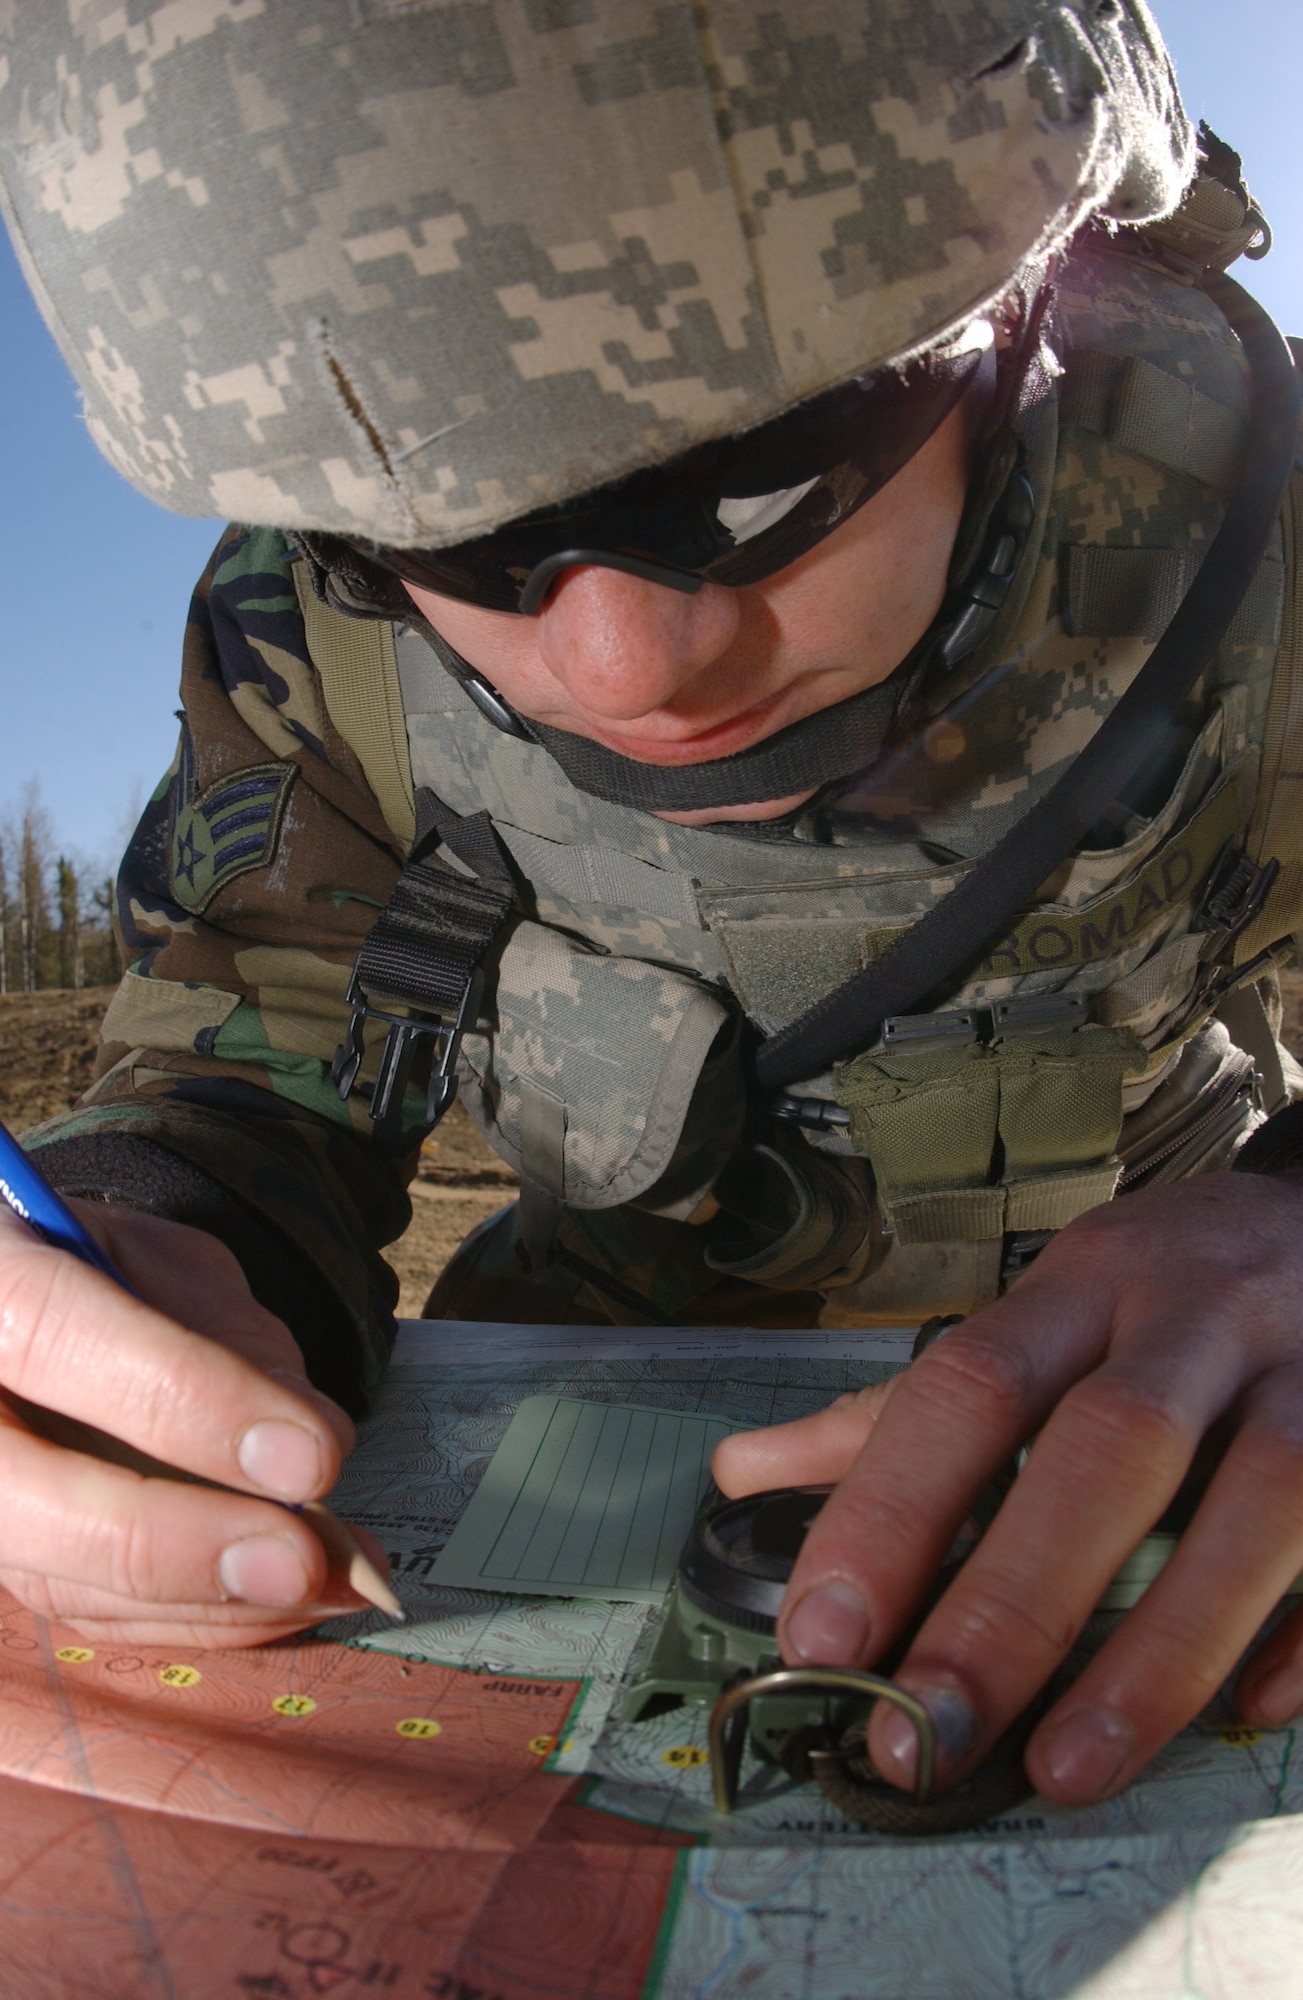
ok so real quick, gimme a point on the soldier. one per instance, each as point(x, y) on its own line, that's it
point(765, 649)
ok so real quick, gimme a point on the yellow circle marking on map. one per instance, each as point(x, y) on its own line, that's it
point(684, 1756)
point(293, 1704)
point(542, 1746)
point(177, 1676)
point(1241, 1739)
point(417, 1727)
point(75, 1656)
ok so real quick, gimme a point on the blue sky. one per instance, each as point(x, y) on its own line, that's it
point(94, 579)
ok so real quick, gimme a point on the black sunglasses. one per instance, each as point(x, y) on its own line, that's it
point(733, 511)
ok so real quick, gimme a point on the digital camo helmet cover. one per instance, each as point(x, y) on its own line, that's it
point(409, 268)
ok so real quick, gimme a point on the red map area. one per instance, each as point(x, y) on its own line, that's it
point(175, 1834)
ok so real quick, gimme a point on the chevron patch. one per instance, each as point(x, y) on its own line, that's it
point(224, 832)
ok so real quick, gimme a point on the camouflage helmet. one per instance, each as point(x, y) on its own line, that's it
point(407, 269)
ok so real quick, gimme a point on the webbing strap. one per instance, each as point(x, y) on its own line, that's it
point(974, 1215)
point(431, 935)
point(1007, 880)
point(437, 925)
point(1122, 593)
point(1143, 409)
point(354, 659)
point(1134, 593)
point(425, 953)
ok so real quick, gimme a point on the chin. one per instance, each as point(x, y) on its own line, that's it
point(765, 809)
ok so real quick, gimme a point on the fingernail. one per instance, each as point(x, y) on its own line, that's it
point(895, 1739)
point(281, 1458)
point(263, 1569)
point(829, 1627)
point(1279, 1697)
point(1086, 1753)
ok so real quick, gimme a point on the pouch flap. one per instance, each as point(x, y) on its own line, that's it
point(593, 1067)
point(148, 1013)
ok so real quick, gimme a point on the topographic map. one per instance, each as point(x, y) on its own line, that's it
point(455, 1810)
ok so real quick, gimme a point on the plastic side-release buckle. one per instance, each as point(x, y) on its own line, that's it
point(1035, 1014)
point(951, 1025)
point(402, 1044)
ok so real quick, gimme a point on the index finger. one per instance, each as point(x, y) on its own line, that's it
point(810, 1451)
point(74, 1342)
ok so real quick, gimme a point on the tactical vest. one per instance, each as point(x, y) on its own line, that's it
point(1110, 1036)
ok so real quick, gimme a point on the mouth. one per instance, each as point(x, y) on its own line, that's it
point(721, 739)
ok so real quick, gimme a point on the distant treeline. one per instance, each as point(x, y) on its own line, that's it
point(55, 913)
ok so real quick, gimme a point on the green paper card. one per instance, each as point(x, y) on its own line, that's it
point(583, 1500)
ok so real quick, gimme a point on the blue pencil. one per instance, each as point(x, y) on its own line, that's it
point(29, 1194)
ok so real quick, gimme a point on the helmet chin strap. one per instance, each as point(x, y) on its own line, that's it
point(834, 743)
point(830, 744)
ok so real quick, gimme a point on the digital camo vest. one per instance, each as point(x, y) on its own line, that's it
point(1110, 1037)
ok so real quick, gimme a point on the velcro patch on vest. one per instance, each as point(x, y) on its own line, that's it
point(780, 965)
point(227, 830)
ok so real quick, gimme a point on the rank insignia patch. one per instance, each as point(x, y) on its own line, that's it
point(225, 831)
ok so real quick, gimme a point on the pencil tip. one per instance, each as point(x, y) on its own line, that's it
point(346, 1553)
point(377, 1590)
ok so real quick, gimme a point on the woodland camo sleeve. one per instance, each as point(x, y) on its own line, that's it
point(254, 875)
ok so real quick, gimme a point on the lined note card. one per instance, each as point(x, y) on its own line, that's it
point(583, 1500)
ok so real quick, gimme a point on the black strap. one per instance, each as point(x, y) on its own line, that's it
point(957, 929)
point(806, 754)
point(437, 925)
point(425, 953)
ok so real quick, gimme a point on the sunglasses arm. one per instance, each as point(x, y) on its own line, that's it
point(542, 576)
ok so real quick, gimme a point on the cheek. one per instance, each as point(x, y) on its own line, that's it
point(875, 585)
point(846, 607)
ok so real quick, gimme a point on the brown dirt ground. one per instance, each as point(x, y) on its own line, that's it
point(47, 1047)
point(47, 1051)
point(460, 1181)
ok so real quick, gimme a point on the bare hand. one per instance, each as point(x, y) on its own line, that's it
point(1139, 1328)
point(201, 1378)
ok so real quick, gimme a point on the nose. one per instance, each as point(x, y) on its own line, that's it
point(624, 647)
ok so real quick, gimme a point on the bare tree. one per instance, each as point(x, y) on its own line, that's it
point(56, 908)
point(103, 963)
point(72, 964)
point(29, 894)
point(38, 946)
point(4, 914)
